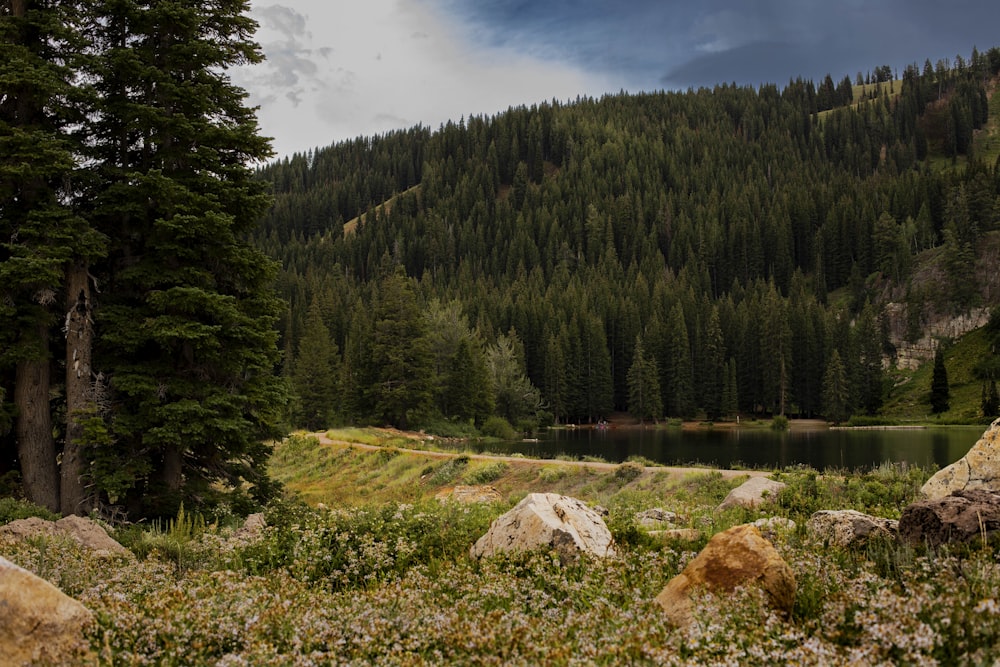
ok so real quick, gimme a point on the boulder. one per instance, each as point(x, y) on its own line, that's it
point(964, 516)
point(978, 469)
point(470, 494)
point(753, 493)
point(91, 535)
point(253, 526)
point(739, 556)
point(845, 528)
point(39, 624)
point(548, 521)
point(677, 534)
point(656, 518)
point(770, 526)
point(21, 529)
point(80, 529)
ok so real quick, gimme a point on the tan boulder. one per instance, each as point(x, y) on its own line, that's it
point(39, 624)
point(978, 469)
point(753, 493)
point(548, 521)
point(80, 529)
point(30, 527)
point(739, 556)
point(470, 494)
point(91, 535)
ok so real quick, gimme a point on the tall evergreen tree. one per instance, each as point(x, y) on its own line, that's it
point(940, 393)
point(400, 358)
point(836, 390)
point(315, 374)
point(185, 322)
point(44, 240)
point(644, 400)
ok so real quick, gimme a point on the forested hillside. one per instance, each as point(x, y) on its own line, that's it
point(703, 253)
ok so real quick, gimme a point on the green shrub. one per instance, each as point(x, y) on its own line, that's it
point(485, 474)
point(448, 472)
point(12, 509)
point(500, 428)
point(779, 423)
point(628, 471)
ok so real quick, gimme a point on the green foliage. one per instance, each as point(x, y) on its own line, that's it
point(628, 471)
point(366, 546)
point(779, 423)
point(484, 474)
point(449, 471)
point(500, 428)
point(939, 384)
point(12, 509)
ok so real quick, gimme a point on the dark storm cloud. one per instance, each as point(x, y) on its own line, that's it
point(664, 43)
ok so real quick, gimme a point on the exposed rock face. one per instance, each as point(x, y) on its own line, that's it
point(549, 521)
point(470, 494)
point(656, 518)
point(38, 623)
point(735, 557)
point(80, 529)
point(963, 516)
point(845, 528)
point(979, 469)
point(753, 493)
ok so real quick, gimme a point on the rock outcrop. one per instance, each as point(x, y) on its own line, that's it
point(753, 493)
point(470, 494)
point(735, 557)
point(548, 521)
point(978, 469)
point(657, 518)
point(964, 516)
point(80, 529)
point(39, 624)
point(849, 528)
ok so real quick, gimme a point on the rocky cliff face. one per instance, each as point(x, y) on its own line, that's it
point(909, 356)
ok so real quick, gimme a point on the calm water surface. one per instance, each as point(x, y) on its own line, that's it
point(819, 448)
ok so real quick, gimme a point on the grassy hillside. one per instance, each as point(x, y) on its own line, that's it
point(909, 398)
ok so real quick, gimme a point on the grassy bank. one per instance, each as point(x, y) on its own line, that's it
point(382, 575)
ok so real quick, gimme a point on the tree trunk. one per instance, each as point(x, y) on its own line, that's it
point(173, 469)
point(79, 398)
point(35, 445)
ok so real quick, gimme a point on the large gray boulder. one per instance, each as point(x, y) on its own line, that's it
point(978, 469)
point(753, 493)
point(39, 624)
point(548, 521)
point(964, 516)
point(848, 528)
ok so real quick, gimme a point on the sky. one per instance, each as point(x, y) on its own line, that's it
point(340, 69)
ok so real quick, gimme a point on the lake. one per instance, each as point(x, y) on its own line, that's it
point(819, 448)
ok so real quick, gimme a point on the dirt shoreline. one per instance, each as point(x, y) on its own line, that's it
point(672, 471)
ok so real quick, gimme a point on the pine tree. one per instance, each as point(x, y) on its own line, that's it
point(187, 312)
point(940, 393)
point(836, 390)
point(644, 400)
point(400, 357)
point(44, 240)
point(990, 402)
point(315, 374)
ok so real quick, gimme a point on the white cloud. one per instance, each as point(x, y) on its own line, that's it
point(340, 69)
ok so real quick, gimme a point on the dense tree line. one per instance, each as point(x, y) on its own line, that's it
point(137, 321)
point(732, 243)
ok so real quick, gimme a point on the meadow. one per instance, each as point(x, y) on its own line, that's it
point(368, 576)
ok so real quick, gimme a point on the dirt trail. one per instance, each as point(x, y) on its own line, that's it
point(672, 471)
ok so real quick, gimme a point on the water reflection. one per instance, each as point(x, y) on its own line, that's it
point(725, 447)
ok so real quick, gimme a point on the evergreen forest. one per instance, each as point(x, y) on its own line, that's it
point(699, 254)
point(170, 302)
